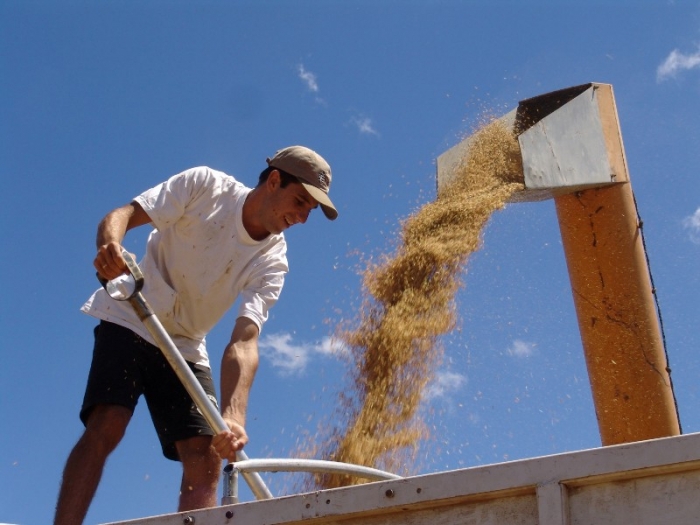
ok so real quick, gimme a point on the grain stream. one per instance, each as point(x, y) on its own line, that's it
point(408, 303)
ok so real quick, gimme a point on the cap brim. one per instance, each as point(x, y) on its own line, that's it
point(323, 200)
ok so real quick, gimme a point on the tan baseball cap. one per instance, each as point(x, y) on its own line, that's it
point(311, 169)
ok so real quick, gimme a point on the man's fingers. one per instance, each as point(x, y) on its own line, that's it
point(227, 444)
point(109, 262)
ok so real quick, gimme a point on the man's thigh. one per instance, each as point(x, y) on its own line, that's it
point(117, 369)
point(174, 414)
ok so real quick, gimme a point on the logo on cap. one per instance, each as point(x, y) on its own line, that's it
point(323, 180)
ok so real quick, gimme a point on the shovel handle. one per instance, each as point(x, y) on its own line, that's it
point(178, 363)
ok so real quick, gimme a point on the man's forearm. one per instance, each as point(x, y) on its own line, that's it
point(115, 224)
point(237, 375)
point(112, 227)
point(238, 367)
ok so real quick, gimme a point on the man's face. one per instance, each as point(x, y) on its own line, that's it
point(288, 206)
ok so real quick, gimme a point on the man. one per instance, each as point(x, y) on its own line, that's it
point(214, 240)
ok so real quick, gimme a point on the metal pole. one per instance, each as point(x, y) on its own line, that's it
point(312, 465)
point(611, 285)
point(616, 313)
point(230, 493)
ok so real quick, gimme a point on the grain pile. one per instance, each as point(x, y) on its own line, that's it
point(408, 303)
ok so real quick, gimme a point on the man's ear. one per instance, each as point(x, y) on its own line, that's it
point(274, 179)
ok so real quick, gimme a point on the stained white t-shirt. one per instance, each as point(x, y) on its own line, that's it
point(199, 259)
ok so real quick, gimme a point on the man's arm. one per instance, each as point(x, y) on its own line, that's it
point(110, 234)
point(238, 367)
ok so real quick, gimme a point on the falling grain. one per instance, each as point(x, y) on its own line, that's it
point(408, 303)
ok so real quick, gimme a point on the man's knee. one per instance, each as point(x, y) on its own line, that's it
point(201, 468)
point(200, 462)
point(106, 426)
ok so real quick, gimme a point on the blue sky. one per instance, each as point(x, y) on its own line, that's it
point(101, 100)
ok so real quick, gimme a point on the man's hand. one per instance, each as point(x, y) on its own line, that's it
point(227, 443)
point(109, 262)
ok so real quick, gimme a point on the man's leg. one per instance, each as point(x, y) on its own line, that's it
point(81, 476)
point(201, 471)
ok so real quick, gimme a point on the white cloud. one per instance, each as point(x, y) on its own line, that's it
point(308, 78)
point(521, 348)
point(365, 125)
point(290, 358)
point(675, 62)
point(692, 223)
point(445, 383)
point(331, 346)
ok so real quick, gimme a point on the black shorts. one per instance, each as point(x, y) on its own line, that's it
point(124, 366)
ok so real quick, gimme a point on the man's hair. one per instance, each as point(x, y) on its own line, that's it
point(285, 178)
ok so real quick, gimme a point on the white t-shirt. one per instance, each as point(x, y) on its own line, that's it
point(199, 259)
